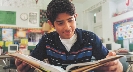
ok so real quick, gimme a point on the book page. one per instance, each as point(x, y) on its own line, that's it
point(88, 66)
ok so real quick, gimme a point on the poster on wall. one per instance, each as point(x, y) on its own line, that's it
point(7, 34)
point(8, 17)
point(27, 36)
point(34, 35)
point(43, 18)
point(32, 19)
point(123, 29)
point(21, 33)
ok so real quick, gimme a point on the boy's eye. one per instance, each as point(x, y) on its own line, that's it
point(70, 20)
point(60, 23)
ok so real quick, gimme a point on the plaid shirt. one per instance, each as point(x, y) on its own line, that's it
point(86, 46)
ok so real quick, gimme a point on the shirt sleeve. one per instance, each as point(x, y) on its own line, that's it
point(99, 51)
point(40, 51)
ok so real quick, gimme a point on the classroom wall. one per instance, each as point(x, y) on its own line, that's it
point(79, 11)
point(90, 3)
point(105, 17)
point(31, 6)
point(27, 7)
point(22, 6)
point(119, 17)
point(108, 8)
point(19, 22)
point(107, 20)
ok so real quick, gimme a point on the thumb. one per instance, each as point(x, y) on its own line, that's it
point(111, 54)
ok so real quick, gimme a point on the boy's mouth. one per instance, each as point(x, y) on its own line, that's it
point(67, 32)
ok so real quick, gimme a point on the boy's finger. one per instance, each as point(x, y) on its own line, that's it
point(112, 63)
point(111, 54)
point(17, 62)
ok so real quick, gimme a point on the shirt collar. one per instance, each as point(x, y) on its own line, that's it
point(77, 43)
point(78, 33)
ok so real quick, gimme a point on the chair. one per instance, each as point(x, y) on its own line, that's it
point(124, 63)
point(130, 67)
point(10, 67)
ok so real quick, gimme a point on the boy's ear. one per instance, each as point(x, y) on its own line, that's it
point(50, 23)
point(75, 15)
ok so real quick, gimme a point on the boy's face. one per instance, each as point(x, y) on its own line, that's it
point(65, 25)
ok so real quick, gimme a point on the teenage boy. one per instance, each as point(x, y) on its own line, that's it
point(68, 44)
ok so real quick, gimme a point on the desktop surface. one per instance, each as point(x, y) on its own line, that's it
point(4, 56)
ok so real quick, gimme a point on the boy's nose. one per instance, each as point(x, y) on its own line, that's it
point(67, 26)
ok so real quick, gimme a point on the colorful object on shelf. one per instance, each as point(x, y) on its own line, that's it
point(34, 30)
point(51, 30)
point(22, 46)
point(21, 33)
point(24, 41)
point(1, 43)
point(45, 27)
point(7, 43)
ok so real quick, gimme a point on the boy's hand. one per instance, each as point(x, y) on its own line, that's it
point(23, 67)
point(113, 66)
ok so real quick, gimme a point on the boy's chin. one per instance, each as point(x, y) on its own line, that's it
point(66, 37)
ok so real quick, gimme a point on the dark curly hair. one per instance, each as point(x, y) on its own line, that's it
point(56, 7)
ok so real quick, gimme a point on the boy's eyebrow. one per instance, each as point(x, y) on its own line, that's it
point(69, 18)
point(59, 21)
point(62, 20)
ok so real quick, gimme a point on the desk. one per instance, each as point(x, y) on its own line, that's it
point(9, 63)
point(5, 59)
point(128, 55)
point(4, 56)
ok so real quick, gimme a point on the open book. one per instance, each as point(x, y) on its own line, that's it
point(45, 67)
